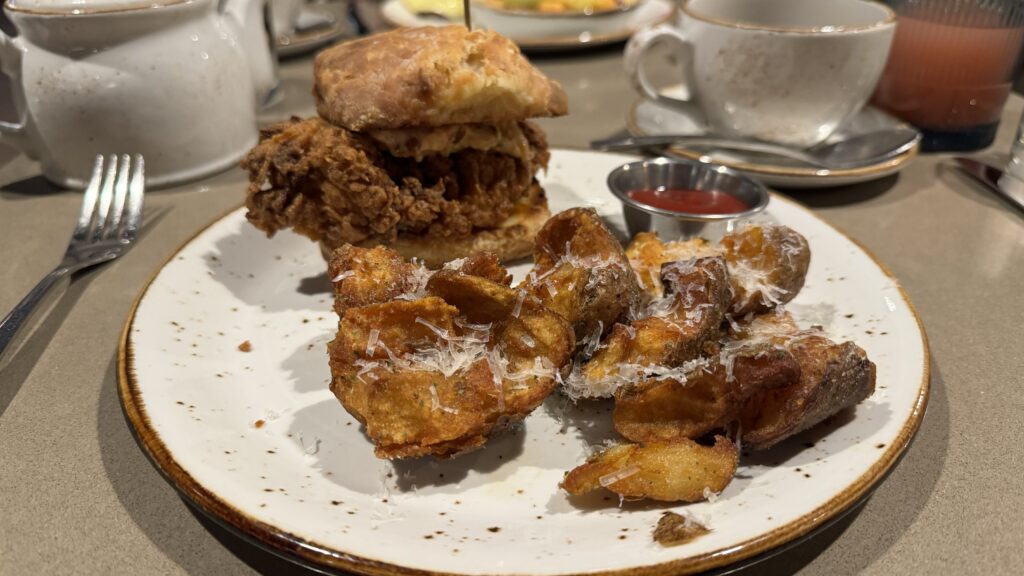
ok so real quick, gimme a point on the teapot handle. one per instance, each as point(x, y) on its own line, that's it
point(13, 133)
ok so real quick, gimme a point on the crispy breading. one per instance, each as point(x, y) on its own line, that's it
point(339, 187)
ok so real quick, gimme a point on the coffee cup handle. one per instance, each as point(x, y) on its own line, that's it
point(14, 133)
point(637, 51)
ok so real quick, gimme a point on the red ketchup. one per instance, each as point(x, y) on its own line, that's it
point(690, 201)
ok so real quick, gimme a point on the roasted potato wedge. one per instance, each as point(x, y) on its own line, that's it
point(710, 397)
point(363, 276)
point(581, 272)
point(647, 253)
point(485, 265)
point(679, 328)
point(768, 266)
point(680, 471)
point(832, 377)
point(534, 341)
point(367, 335)
point(411, 413)
point(437, 374)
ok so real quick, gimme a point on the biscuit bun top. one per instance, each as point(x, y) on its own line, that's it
point(432, 76)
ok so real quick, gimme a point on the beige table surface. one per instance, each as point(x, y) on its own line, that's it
point(77, 495)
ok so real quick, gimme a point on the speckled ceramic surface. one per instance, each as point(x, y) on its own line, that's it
point(224, 377)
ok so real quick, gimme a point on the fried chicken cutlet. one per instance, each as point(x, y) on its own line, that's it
point(340, 187)
point(421, 144)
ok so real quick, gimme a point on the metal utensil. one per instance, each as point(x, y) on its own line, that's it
point(1006, 186)
point(856, 151)
point(107, 227)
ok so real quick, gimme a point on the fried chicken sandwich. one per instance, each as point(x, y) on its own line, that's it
point(421, 143)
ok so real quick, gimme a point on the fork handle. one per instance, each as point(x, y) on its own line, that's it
point(10, 326)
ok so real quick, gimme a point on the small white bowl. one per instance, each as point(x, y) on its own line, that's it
point(534, 25)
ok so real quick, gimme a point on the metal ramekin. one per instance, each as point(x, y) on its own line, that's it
point(689, 174)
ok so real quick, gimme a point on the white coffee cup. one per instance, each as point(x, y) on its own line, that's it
point(786, 71)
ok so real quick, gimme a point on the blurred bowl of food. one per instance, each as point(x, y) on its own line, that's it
point(543, 19)
point(439, 9)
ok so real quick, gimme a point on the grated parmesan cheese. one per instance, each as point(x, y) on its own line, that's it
point(343, 275)
point(371, 342)
point(519, 304)
point(454, 264)
point(609, 479)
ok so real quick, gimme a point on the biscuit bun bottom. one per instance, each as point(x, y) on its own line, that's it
point(512, 240)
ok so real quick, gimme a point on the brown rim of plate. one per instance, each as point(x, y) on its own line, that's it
point(563, 42)
point(315, 555)
point(789, 171)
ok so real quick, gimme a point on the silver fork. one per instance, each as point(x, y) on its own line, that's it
point(106, 228)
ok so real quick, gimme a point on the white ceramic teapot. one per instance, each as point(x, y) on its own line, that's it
point(169, 79)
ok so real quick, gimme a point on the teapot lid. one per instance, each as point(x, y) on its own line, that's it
point(69, 7)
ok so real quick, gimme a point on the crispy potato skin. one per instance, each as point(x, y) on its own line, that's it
point(647, 253)
point(767, 264)
point(581, 272)
point(486, 265)
point(778, 255)
point(411, 408)
point(670, 472)
point(534, 331)
point(403, 422)
point(832, 377)
point(673, 529)
point(368, 276)
point(698, 296)
point(668, 411)
point(398, 332)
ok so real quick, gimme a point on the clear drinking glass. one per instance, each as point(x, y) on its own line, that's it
point(951, 68)
point(1016, 165)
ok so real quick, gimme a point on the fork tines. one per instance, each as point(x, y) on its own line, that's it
point(112, 205)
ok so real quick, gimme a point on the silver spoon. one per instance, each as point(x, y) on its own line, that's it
point(854, 152)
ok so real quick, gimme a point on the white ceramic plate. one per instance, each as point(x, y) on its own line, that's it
point(257, 440)
point(647, 117)
point(585, 33)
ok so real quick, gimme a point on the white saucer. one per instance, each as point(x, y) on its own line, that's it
point(650, 13)
point(318, 25)
point(652, 118)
